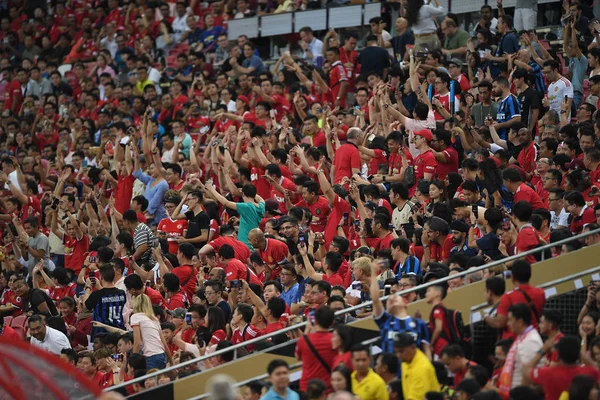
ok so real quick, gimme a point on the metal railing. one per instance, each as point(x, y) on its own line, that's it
point(354, 308)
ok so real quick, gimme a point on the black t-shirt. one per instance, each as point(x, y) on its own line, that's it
point(293, 246)
point(35, 298)
point(196, 224)
point(373, 58)
point(399, 44)
point(530, 100)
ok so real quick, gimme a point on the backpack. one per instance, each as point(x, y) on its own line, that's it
point(409, 176)
point(459, 334)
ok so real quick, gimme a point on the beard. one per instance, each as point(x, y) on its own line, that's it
point(457, 240)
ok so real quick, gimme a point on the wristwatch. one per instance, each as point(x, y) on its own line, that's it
point(386, 106)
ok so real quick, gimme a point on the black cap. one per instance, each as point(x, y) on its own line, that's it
point(404, 340)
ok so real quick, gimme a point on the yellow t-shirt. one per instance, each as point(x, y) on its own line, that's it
point(372, 387)
point(418, 377)
point(141, 85)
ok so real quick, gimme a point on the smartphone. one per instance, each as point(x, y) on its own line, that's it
point(55, 204)
point(92, 277)
point(391, 227)
point(188, 318)
point(116, 357)
point(346, 216)
point(475, 210)
point(148, 283)
point(93, 259)
point(301, 239)
point(387, 289)
point(506, 224)
point(311, 316)
point(236, 284)
point(357, 225)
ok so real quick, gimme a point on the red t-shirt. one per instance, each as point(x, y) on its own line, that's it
point(588, 216)
point(123, 193)
point(318, 139)
point(174, 229)
point(155, 297)
point(345, 359)
point(383, 243)
point(275, 253)
point(58, 292)
point(337, 75)
point(526, 193)
point(178, 300)
point(425, 163)
point(11, 334)
point(527, 157)
point(557, 379)
point(262, 186)
point(249, 332)
point(237, 270)
point(13, 96)
point(438, 313)
point(379, 159)
point(287, 184)
point(451, 164)
point(527, 239)
point(334, 279)
point(312, 367)
point(346, 158)
point(241, 251)
point(274, 327)
point(320, 211)
point(187, 279)
point(338, 208)
point(537, 296)
point(460, 375)
point(75, 252)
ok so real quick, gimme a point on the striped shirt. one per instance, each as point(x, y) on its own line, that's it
point(508, 109)
point(390, 327)
point(540, 84)
point(143, 235)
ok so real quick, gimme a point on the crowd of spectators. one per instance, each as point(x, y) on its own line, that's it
point(168, 193)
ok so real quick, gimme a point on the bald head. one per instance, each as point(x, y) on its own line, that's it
point(401, 25)
point(256, 238)
point(217, 274)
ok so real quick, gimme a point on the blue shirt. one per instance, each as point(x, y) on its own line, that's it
point(154, 195)
point(209, 37)
point(256, 63)
point(509, 44)
point(411, 266)
point(290, 296)
point(271, 395)
point(390, 327)
point(579, 68)
point(508, 108)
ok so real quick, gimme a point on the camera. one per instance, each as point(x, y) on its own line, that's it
point(236, 284)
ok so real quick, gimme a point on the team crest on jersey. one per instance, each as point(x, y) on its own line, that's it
point(270, 259)
point(556, 88)
point(179, 226)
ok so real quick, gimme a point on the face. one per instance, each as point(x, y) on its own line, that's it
point(338, 382)
point(37, 330)
point(270, 292)
point(435, 192)
point(588, 325)
point(405, 354)
point(212, 297)
point(280, 378)
point(361, 360)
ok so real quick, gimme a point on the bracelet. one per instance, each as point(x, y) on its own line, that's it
point(88, 287)
point(583, 341)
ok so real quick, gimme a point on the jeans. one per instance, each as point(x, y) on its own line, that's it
point(156, 361)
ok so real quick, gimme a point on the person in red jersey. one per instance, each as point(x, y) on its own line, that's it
point(311, 130)
point(331, 265)
point(591, 161)
point(340, 208)
point(380, 226)
point(439, 327)
point(272, 252)
point(514, 183)
point(439, 241)
point(338, 81)
point(445, 155)
point(185, 271)
point(528, 154)
point(319, 349)
point(550, 328)
point(135, 287)
point(274, 308)
point(557, 379)
point(528, 237)
point(279, 185)
point(60, 284)
point(176, 297)
point(14, 93)
point(172, 229)
point(87, 365)
point(7, 332)
point(318, 205)
point(75, 241)
point(453, 357)
point(243, 329)
point(524, 293)
point(234, 268)
point(347, 161)
point(582, 214)
point(226, 236)
point(425, 163)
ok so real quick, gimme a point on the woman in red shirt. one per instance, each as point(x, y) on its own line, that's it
point(341, 341)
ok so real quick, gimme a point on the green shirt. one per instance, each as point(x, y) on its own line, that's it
point(250, 217)
point(457, 41)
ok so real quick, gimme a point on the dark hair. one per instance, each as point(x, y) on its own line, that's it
point(273, 365)
point(246, 311)
point(521, 271)
point(453, 351)
point(496, 285)
point(130, 216)
point(324, 316)
point(581, 386)
point(569, 349)
point(346, 334)
point(390, 361)
point(347, 374)
point(216, 319)
point(521, 311)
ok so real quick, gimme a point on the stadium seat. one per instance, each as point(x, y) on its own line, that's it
point(7, 320)
point(19, 322)
point(63, 69)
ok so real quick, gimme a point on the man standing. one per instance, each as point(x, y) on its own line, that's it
point(338, 81)
point(313, 47)
point(37, 247)
point(527, 343)
point(528, 155)
point(509, 44)
point(143, 237)
point(425, 163)
point(529, 99)
point(487, 106)
point(404, 37)
point(487, 21)
point(374, 58)
point(445, 154)
point(416, 368)
point(509, 109)
point(560, 88)
point(366, 384)
point(315, 351)
point(46, 338)
point(271, 251)
point(107, 302)
point(347, 161)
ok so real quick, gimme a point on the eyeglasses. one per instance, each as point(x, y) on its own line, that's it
point(209, 293)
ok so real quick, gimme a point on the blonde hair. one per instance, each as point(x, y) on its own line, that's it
point(142, 304)
point(364, 264)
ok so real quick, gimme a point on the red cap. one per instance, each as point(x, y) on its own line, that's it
point(425, 133)
point(244, 99)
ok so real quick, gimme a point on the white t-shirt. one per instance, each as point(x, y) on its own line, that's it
point(562, 219)
point(53, 342)
point(150, 334)
point(425, 23)
point(530, 345)
point(179, 27)
point(557, 92)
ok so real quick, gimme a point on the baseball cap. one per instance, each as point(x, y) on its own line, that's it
point(577, 163)
point(272, 206)
point(438, 224)
point(456, 62)
point(371, 206)
point(425, 133)
point(243, 98)
point(177, 313)
point(460, 226)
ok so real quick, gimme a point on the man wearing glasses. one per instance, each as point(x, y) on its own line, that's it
point(559, 217)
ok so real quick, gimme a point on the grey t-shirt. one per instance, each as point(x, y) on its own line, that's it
point(479, 112)
point(40, 242)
